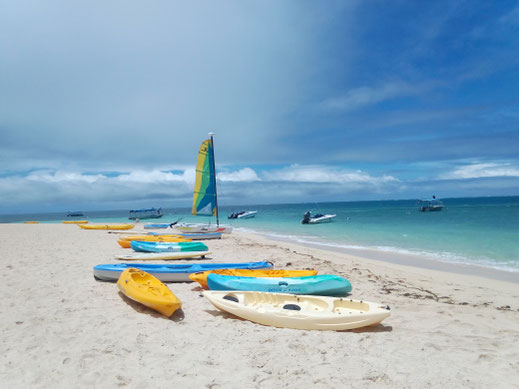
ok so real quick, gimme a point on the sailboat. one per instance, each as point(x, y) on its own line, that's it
point(205, 199)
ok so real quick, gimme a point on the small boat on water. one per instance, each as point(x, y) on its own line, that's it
point(242, 215)
point(430, 205)
point(171, 272)
point(75, 214)
point(308, 218)
point(150, 213)
point(201, 277)
point(142, 287)
point(167, 247)
point(299, 312)
point(323, 285)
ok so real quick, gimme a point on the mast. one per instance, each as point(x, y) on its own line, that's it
point(214, 170)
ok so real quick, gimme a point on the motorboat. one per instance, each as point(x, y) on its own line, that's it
point(430, 205)
point(308, 218)
point(151, 213)
point(242, 215)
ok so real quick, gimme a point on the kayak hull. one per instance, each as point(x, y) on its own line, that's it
point(171, 272)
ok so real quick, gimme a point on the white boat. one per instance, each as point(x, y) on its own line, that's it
point(302, 312)
point(242, 215)
point(202, 228)
point(430, 205)
point(308, 218)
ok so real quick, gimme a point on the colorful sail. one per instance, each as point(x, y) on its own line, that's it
point(204, 196)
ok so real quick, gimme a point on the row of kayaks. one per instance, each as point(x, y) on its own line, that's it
point(290, 310)
point(299, 299)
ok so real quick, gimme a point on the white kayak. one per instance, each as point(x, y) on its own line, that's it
point(198, 228)
point(165, 255)
point(302, 312)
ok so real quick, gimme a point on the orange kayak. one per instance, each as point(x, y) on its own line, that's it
point(201, 277)
point(127, 241)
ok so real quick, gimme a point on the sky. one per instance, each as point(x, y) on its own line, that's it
point(104, 105)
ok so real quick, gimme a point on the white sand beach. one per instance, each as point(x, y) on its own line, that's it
point(62, 328)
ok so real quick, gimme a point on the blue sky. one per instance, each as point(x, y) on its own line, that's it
point(104, 105)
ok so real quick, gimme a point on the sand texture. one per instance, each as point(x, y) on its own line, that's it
point(60, 328)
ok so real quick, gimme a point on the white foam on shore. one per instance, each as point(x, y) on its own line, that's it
point(393, 252)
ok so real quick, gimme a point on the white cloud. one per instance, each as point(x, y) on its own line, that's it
point(323, 174)
point(245, 174)
point(482, 170)
point(368, 95)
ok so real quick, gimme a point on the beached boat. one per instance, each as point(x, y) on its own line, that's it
point(205, 197)
point(308, 218)
point(323, 285)
point(148, 290)
point(201, 277)
point(242, 215)
point(150, 213)
point(430, 205)
point(74, 221)
point(171, 272)
point(157, 225)
point(299, 312)
point(106, 226)
point(163, 256)
point(166, 247)
point(126, 241)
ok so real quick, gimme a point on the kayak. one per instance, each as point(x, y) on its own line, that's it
point(163, 256)
point(169, 272)
point(194, 236)
point(299, 312)
point(106, 226)
point(161, 225)
point(165, 247)
point(148, 290)
point(74, 221)
point(126, 242)
point(201, 277)
point(323, 285)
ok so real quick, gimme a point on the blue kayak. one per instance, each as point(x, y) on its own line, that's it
point(323, 285)
point(167, 247)
point(194, 235)
point(161, 225)
point(171, 273)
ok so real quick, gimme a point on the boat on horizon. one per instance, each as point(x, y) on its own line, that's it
point(150, 213)
point(75, 214)
point(430, 205)
point(308, 218)
point(242, 215)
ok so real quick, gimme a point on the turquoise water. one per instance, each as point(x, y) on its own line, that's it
point(480, 231)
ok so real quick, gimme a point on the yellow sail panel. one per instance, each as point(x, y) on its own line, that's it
point(204, 196)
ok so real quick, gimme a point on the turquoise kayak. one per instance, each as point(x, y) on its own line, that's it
point(322, 285)
point(171, 273)
point(166, 247)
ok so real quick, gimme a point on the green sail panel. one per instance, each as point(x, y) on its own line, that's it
point(204, 196)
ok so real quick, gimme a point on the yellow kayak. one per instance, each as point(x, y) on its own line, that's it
point(148, 290)
point(201, 277)
point(106, 226)
point(127, 241)
point(74, 221)
point(31, 222)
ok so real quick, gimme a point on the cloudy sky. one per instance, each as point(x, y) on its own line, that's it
point(103, 105)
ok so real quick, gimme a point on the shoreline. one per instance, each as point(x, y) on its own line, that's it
point(414, 260)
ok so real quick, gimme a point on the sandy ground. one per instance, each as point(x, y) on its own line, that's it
point(61, 328)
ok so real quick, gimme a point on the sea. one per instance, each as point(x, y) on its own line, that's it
point(481, 232)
